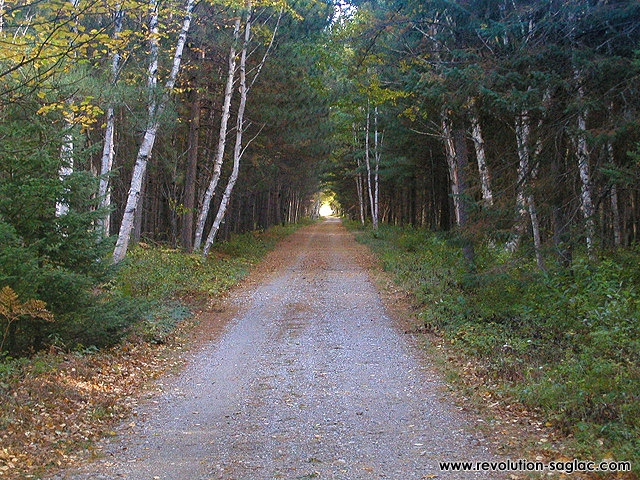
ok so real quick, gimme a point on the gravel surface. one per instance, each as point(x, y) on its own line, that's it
point(310, 380)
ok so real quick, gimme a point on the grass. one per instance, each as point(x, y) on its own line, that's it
point(58, 401)
point(565, 343)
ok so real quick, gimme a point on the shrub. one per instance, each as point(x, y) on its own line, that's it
point(565, 342)
point(59, 260)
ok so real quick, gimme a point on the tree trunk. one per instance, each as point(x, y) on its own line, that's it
point(66, 167)
point(153, 122)
point(237, 152)
point(376, 179)
point(478, 142)
point(522, 140)
point(535, 228)
point(108, 150)
point(450, 151)
point(615, 216)
point(360, 194)
point(359, 188)
point(137, 220)
point(461, 157)
point(192, 166)
point(524, 198)
point(368, 165)
point(582, 154)
point(222, 140)
point(615, 213)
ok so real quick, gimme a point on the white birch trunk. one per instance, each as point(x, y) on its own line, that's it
point(66, 167)
point(67, 147)
point(546, 103)
point(106, 164)
point(360, 197)
point(376, 156)
point(222, 139)
point(153, 122)
point(481, 156)
point(359, 188)
point(582, 154)
point(522, 140)
point(237, 152)
point(450, 152)
point(152, 71)
point(525, 199)
point(535, 228)
point(1, 16)
point(368, 165)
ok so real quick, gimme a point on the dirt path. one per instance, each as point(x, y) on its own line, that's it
point(309, 380)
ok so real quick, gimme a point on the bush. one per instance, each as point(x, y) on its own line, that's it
point(60, 260)
point(565, 342)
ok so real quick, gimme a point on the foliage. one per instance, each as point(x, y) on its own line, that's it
point(12, 309)
point(171, 273)
point(564, 342)
point(58, 260)
point(56, 403)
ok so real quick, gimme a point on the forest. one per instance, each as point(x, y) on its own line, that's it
point(487, 150)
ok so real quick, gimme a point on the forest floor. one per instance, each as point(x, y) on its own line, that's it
point(302, 373)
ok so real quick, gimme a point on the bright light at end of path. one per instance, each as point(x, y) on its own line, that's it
point(326, 210)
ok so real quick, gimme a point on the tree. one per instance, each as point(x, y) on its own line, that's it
point(155, 109)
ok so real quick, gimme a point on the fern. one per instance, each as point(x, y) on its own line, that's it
point(12, 309)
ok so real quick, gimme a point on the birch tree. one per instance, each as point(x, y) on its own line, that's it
point(155, 109)
point(525, 200)
point(222, 139)
point(481, 156)
point(376, 176)
point(452, 163)
point(367, 162)
point(239, 150)
point(108, 148)
point(358, 177)
point(613, 195)
point(66, 150)
point(582, 155)
point(66, 165)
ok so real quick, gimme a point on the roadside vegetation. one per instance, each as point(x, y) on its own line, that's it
point(564, 343)
point(83, 380)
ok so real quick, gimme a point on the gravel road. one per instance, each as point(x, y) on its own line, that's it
point(311, 379)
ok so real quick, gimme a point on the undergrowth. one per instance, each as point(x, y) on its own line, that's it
point(565, 343)
point(163, 278)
